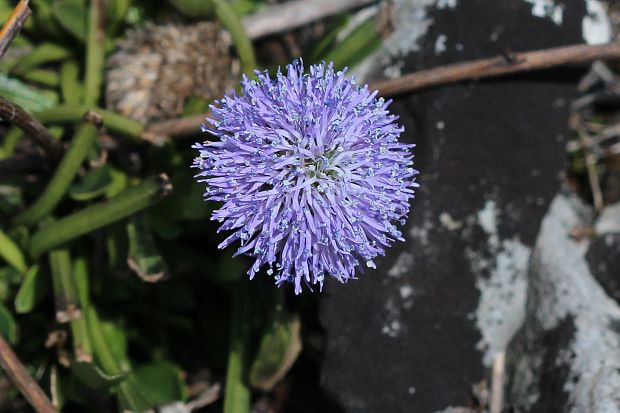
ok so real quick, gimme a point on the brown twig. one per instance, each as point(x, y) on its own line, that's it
point(497, 383)
point(286, 16)
point(497, 66)
point(179, 127)
point(477, 69)
point(13, 25)
point(24, 382)
point(13, 113)
point(206, 398)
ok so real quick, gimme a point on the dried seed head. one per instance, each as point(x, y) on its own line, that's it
point(156, 68)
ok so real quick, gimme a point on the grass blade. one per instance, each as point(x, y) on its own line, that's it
point(237, 394)
point(97, 216)
point(11, 253)
point(95, 52)
point(58, 185)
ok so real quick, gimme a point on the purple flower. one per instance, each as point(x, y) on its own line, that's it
point(311, 174)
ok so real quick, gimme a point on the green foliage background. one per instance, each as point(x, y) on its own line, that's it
point(112, 290)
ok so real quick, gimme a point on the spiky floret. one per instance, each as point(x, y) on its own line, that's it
point(310, 172)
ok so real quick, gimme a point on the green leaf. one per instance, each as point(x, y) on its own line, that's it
point(327, 40)
point(11, 253)
point(232, 22)
point(8, 328)
point(8, 276)
point(95, 55)
point(144, 258)
point(29, 98)
point(89, 219)
point(94, 184)
point(116, 245)
point(131, 399)
point(70, 114)
point(42, 54)
point(360, 43)
point(110, 350)
point(106, 342)
point(44, 23)
point(116, 11)
point(82, 342)
point(31, 292)
point(69, 82)
point(72, 16)
point(65, 291)
point(118, 184)
point(116, 339)
point(66, 171)
point(279, 347)
point(68, 305)
point(93, 377)
point(243, 7)
point(43, 77)
point(82, 282)
point(237, 393)
point(4, 284)
point(11, 138)
point(160, 382)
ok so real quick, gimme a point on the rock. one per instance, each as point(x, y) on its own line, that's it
point(609, 220)
point(565, 358)
point(418, 332)
point(604, 253)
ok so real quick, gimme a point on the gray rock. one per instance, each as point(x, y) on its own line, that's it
point(416, 334)
point(566, 357)
point(604, 253)
point(609, 220)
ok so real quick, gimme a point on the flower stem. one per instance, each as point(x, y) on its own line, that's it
point(70, 114)
point(237, 398)
point(66, 171)
point(95, 52)
point(73, 113)
point(127, 389)
point(81, 338)
point(65, 293)
point(43, 77)
point(94, 217)
point(229, 18)
point(69, 83)
point(68, 305)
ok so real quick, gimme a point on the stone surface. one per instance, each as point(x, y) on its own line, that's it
point(566, 357)
point(418, 332)
point(604, 252)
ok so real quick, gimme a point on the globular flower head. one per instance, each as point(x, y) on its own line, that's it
point(310, 172)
